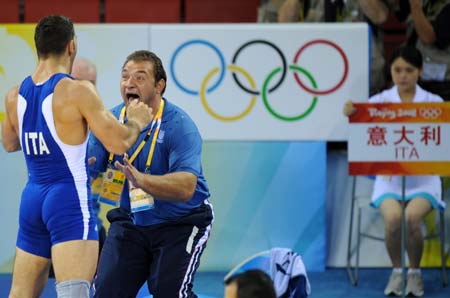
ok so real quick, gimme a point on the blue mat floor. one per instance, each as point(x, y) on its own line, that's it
point(333, 283)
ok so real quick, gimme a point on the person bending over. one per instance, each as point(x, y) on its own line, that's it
point(253, 283)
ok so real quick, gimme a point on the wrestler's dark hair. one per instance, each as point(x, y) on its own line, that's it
point(253, 283)
point(52, 35)
point(158, 68)
point(410, 54)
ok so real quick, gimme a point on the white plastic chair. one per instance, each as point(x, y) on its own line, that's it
point(361, 200)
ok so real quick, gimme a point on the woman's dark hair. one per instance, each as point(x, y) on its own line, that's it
point(410, 54)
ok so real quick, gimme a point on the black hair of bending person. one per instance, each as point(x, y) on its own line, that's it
point(253, 283)
point(410, 54)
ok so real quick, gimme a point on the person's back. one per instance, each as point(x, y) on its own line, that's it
point(55, 169)
point(44, 120)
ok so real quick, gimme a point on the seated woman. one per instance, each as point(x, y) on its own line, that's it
point(422, 193)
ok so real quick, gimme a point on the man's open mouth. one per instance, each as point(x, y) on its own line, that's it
point(131, 96)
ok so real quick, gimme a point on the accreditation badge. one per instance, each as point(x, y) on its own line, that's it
point(112, 185)
point(140, 200)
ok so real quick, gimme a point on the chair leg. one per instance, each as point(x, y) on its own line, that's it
point(350, 270)
point(358, 243)
point(443, 257)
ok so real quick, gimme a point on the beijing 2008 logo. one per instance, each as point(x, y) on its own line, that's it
point(251, 88)
point(430, 113)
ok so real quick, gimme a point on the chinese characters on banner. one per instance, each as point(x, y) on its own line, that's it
point(400, 139)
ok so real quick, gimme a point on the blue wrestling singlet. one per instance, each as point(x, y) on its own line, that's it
point(55, 205)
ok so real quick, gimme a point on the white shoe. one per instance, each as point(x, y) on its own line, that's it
point(414, 284)
point(394, 286)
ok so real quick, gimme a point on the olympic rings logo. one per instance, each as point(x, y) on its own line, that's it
point(252, 89)
point(430, 113)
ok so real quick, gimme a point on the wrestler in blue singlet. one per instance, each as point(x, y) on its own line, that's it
point(55, 205)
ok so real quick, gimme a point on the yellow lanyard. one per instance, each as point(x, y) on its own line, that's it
point(157, 120)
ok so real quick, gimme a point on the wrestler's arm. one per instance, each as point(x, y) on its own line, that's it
point(10, 135)
point(116, 137)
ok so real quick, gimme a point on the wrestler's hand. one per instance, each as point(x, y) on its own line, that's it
point(140, 113)
point(349, 108)
point(133, 175)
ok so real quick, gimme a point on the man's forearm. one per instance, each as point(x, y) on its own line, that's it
point(173, 187)
point(423, 27)
point(375, 10)
point(289, 11)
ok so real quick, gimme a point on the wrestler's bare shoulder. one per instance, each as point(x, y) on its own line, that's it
point(75, 91)
point(12, 95)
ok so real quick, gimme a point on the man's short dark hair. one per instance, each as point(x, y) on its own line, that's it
point(158, 69)
point(52, 35)
point(253, 283)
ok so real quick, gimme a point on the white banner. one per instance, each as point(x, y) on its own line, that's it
point(399, 142)
point(400, 138)
point(265, 81)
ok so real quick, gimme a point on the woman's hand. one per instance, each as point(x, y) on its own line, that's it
point(349, 108)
